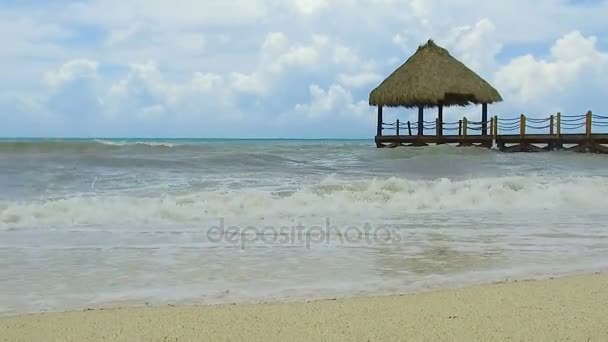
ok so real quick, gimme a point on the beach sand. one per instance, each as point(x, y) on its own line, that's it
point(573, 308)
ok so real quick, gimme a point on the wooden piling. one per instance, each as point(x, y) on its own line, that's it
point(465, 123)
point(588, 125)
point(420, 120)
point(551, 123)
point(559, 125)
point(409, 128)
point(484, 119)
point(397, 128)
point(522, 133)
point(459, 128)
point(379, 129)
point(495, 126)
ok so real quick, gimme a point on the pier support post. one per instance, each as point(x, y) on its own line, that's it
point(420, 120)
point(522, 133)
point(379, 129)
point(588, 125)
point(558, 131)
point(484, 119)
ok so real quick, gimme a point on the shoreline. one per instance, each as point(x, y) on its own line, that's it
point(573, 306)
point(199, 303)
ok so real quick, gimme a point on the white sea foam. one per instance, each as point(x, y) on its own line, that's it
point(134, 143)
point(332, 197)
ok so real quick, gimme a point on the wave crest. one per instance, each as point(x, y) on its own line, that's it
point(393, 198)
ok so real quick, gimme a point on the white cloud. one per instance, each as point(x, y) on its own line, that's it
point(226, 56)
point(121, 35)
point(335, 101)
point(74, 69)
point(280, 57)
point(168, 14)
point(206, 82)
point(254, 83)
point(309, 6)
point(476, 45)
point(359, 80)
point(146, 92)
point(574, 66)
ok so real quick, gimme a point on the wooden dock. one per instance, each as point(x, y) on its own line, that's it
point(520, 134)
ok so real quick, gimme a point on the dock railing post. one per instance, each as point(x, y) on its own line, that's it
point(397, 128)
point(551, 123)
point(438, 127)
point(459, 128)
point(465, 123)
point(492, 127)
point(589, 124)
point(495, 126)
point(559, 125)
point(409, 128)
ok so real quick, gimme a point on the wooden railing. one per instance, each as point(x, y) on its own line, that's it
point(557, 124)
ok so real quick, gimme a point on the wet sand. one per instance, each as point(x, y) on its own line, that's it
point(573, 308)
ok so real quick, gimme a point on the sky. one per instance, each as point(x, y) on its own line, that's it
point(279, 68)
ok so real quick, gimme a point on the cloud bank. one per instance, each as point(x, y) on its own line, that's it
point(269, 68)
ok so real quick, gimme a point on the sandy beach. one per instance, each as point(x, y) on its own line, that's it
point(573, 308)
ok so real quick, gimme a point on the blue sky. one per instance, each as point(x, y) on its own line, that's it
point(279, 68)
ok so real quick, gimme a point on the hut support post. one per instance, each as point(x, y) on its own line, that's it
point(420, 120)
point(440, 120)
point(379, 129)
point(484, 119)
point(588, 125)
point(522, 133)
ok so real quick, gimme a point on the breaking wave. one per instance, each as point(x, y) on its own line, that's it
point(75, 145)
point(392, 198)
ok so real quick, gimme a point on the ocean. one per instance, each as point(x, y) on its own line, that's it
point(104, 222)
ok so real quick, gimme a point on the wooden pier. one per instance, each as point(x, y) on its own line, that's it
point(521, 134)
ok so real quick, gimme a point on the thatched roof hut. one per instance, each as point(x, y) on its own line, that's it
point(433, 78)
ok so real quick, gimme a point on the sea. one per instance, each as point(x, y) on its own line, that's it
point(89, 223)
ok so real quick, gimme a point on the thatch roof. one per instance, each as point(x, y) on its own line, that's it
point(431, 77)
